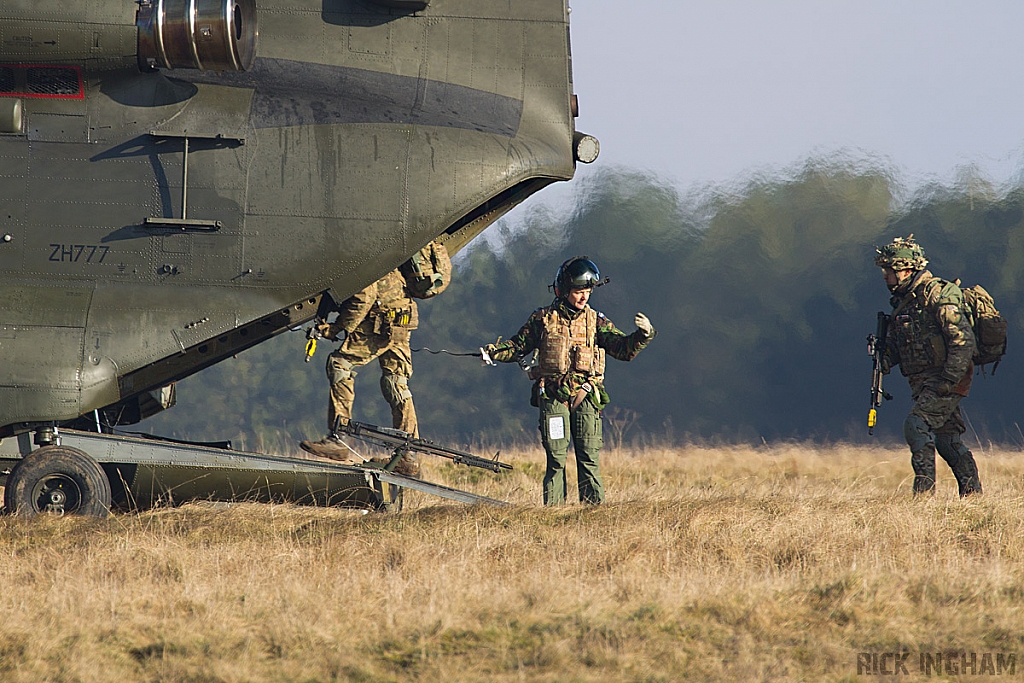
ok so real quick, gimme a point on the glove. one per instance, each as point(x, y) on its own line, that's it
point(485, 354)
point(328, 331)
point(643, 324)
point(944, 388)
point(324, 330)
point(489, 349)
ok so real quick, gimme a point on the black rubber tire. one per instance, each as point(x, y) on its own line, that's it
point(57, 479)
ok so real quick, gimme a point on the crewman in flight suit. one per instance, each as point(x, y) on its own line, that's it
point(571, 340)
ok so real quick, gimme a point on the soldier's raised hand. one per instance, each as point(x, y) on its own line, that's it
point(643, 324)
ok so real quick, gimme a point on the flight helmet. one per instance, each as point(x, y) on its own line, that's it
point(579, 272)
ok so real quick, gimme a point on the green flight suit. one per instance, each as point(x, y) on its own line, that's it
point(555, 394)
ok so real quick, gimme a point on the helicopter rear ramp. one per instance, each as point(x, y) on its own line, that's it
point(146, 472)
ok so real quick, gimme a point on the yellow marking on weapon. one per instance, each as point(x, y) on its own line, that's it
point(872, 418)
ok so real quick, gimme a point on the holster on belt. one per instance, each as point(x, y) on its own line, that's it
point(581, 394)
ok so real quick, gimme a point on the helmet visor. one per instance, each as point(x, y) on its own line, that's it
point(581, 274)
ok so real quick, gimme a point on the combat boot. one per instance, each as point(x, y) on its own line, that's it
point(923, 462)
point(332, 448)
point(966, 473)
point(408, 465)
point(961, 461)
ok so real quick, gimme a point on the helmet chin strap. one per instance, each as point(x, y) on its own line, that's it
point(904, 280)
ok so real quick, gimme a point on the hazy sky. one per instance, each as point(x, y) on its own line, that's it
point(712, 90)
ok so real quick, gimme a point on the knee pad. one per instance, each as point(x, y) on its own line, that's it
point(339, 369)
point(395, 388)
point(950, 447)
point(917, 433)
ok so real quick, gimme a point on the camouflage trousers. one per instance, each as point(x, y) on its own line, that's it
point(394, 355)
point(935, 424)
point(583, 425)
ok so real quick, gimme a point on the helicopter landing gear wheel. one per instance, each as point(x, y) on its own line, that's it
point(57, 480)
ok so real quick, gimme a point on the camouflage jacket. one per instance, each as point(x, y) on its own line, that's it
point(381, 307)
point(614, 341)
point(929, 336)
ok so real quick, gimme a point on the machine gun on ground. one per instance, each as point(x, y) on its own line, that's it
point(876, 349)
point(404, 442)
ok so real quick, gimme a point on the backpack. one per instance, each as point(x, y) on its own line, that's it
point(989, 327)
point(428, 272)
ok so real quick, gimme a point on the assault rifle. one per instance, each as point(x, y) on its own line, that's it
point(404, 442)
point(876, 349)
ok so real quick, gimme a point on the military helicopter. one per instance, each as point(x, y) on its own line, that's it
point(183, 179)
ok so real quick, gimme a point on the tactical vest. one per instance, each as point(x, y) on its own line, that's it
point(919, 339)
point(569, 346)
point(393, 307)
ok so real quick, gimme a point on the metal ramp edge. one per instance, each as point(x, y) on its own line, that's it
point(434, 489)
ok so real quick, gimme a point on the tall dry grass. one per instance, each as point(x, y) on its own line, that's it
point(729, 564)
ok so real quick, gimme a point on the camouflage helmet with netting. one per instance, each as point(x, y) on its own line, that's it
point(903, 253)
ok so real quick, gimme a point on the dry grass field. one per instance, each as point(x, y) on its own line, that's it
point(778, 564)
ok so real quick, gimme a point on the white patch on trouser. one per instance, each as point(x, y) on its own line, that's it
point(556, 428)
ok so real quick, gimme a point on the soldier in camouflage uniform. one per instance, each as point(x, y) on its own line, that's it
point(571, 340)
point(931, 340)
point(373, 323)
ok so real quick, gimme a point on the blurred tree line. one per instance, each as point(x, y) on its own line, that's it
point(762, 294)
